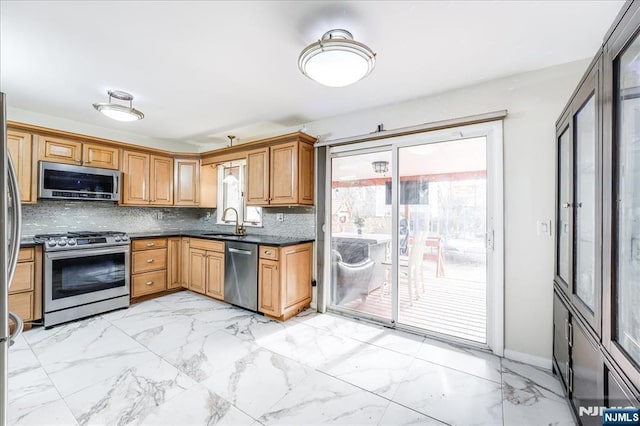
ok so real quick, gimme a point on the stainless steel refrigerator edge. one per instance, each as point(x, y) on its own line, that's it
point(8, 255)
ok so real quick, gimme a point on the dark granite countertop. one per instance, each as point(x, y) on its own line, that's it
point(270, 240)
point(28, 242)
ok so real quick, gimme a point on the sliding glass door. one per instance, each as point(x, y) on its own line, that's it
point(442, 213)
point(411, 231)
point(361, 232)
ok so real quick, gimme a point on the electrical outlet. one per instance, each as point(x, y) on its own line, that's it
point(280, 217)
point(160, 215)
point(207, 216)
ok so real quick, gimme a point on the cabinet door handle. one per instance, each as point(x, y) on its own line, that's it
point(151, 244)
point(566, 205)
point(570, 335)
point(149, 260)
point(267, 252)
point(149, 283)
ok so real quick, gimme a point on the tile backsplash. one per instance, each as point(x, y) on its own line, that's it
point(52, 216)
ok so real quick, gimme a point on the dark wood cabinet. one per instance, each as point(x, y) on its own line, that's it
point(586, 372)
point(561, 340)
point(596, 319)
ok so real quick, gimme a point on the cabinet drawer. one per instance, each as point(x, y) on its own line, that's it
point(149, 282)
point(210, 245)
point(149, 260)
point(149, 244)
point(22, 305)
point(26, 254)
point(268, 252)
point(23, 278)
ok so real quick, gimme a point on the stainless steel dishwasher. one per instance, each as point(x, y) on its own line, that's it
point(241, 274)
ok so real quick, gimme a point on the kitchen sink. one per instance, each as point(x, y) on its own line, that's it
point(219, 234)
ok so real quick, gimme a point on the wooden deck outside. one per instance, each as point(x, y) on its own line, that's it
point(449, 306)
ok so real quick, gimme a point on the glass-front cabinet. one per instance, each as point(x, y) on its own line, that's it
point(596, 327)
point(622, 336)
point(578, 241)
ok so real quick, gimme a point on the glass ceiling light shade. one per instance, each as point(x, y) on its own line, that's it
point(118, 111)
point(337, 60)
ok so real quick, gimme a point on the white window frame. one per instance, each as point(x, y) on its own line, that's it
point(242, 213)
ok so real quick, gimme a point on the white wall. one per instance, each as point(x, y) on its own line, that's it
point(534, 101)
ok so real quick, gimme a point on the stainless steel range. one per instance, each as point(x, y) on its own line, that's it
point(85, 273)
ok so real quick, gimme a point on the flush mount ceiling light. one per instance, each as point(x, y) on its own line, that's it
point(380, 166)
point(337, 60)
point(118, 111)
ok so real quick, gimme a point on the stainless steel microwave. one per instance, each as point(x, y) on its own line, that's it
point(70, 182)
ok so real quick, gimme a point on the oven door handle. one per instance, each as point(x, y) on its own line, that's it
point(87, 252)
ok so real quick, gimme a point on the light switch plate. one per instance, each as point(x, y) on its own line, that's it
point(543, 227)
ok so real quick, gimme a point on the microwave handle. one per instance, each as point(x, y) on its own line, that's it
point(117, 185)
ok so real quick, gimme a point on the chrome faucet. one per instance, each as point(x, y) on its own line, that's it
point(240, 229)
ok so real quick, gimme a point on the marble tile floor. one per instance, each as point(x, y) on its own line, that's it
point(185, 359)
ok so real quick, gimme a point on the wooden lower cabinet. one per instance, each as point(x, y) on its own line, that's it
point(197, 270)
point(174, 251)
point(184, 262)
point(148, 266)
point(269, 287)
point(215, 275)
point(149, 283)
point(206, 267)
point(25, 293)
point(284, 280)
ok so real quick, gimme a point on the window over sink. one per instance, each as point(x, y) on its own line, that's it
point(231, 193)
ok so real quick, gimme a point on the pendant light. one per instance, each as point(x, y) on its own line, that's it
point(337, 60)
point(118, 111)
point(380, 166)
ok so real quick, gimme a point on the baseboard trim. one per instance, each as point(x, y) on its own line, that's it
point(536, 361)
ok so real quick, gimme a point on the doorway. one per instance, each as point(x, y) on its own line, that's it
point(412, 229)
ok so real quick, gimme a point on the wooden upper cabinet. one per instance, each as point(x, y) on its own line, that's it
point(208, 186)
point(186, 182)
point(147, 179)
point(100, 156)
point(284, 182)
point(135, 179)
point(306, 176)
point(21, 149)
point(161, 181)
point(258, 176)
point(60, 150)
point(281, 174)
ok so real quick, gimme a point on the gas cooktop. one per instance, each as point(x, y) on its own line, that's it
point(81, 240)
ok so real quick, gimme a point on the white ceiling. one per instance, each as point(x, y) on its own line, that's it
point(202, 70)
